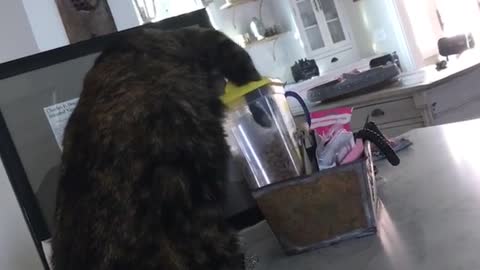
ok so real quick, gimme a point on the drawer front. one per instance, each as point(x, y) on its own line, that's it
point(399, 127)
point(467, 111)
point(455, 93)
point(384, 113)
point(399, 130)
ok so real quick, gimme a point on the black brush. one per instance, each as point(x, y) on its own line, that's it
point(381, 142)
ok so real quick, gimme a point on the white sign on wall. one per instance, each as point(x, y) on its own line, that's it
point(58, 115)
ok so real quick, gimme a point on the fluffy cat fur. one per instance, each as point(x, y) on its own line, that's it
point(145, 157)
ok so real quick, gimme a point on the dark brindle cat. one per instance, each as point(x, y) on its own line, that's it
point(145, 157)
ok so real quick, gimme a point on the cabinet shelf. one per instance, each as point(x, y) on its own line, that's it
point(264, 40)
point(236, 3)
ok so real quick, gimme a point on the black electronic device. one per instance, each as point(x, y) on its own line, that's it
point(391, 58)
point(30, 86)
point(455, 45)
point(304, 69)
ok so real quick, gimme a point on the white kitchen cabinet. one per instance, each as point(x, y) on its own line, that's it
point(386, 112)
point(393, 116)
point(456, 100)
point(467, 111)
point(423, 98)
point(322, 25)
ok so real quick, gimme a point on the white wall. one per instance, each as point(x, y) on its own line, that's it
point(124, 14)
point(236, 21)
point(360, 31)
point(425, 26)
point(382, 31)
point(46, 24)
point(460, 16)
point(18, 251)
point(171, 8)
point(17, 36)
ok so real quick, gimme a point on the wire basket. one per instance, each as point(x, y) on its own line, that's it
point(324, 208)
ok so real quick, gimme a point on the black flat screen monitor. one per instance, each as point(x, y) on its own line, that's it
point(35, 94)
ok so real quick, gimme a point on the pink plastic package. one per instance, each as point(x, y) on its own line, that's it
point(326, 121)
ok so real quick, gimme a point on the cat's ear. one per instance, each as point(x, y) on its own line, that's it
point(228, 57)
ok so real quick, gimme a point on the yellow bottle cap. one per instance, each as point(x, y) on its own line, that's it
point(233, 92)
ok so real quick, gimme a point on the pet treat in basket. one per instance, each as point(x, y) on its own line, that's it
point(323, 121)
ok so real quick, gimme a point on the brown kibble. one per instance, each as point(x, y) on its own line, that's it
point(306, 212)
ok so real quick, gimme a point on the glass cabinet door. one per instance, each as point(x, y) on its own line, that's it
point(322, 25)
point(335, 27)
point(310, 23)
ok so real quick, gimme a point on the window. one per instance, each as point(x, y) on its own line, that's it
point(156, 10)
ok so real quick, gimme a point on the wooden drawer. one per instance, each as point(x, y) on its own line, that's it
point(386, 112)
point(399, 130)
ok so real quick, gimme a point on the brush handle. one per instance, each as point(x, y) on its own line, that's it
point(381, 143)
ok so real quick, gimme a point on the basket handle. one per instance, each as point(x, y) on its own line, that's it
point(302, 103)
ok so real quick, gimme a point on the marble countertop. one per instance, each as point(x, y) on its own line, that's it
point(429, 219)
point(408, 83)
